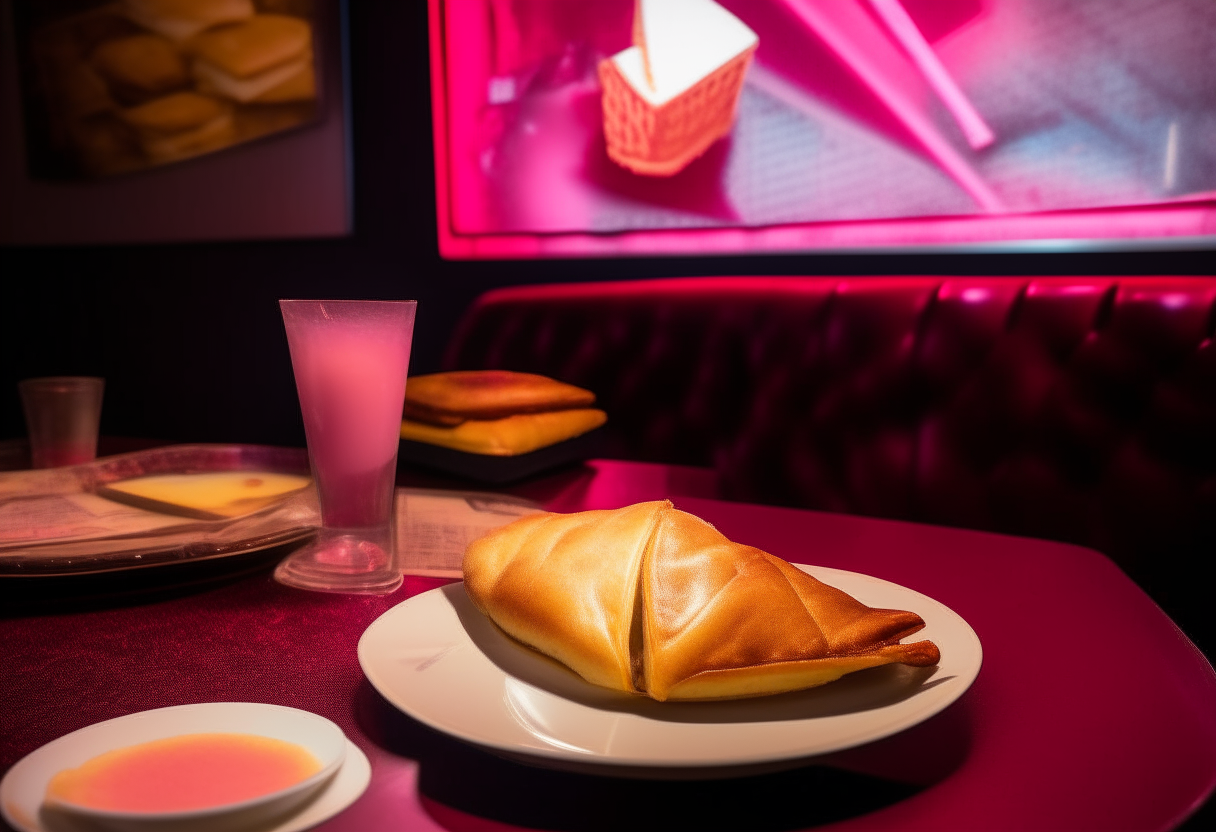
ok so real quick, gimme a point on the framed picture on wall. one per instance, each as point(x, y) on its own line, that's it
point(135, 121)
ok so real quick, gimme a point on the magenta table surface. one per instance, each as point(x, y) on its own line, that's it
point(1091, 710)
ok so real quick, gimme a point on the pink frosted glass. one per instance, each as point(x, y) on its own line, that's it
point(350, 360)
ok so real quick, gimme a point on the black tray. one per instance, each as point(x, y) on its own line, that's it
point(499, 470)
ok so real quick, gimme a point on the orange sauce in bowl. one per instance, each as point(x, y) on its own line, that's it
point(183, 773)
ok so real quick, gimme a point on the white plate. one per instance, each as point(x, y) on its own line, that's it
point(442, 662)
point(23, 787)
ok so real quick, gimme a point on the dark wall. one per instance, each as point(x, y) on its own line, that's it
point(189, 337)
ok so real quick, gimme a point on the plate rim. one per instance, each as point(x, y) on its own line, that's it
point(969, 670)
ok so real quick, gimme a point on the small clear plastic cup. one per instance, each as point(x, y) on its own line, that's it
point(62, 417)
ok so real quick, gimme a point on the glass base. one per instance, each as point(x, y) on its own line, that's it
point(349, 561)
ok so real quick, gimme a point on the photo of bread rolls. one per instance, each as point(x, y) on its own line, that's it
point(116, 87)
point(181, 20)
point(268, 57)
point(140, 66)
point(180, 125)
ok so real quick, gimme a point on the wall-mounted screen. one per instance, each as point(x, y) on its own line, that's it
point(636, 127)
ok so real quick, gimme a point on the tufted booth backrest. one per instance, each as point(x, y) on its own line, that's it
point(1078, 409)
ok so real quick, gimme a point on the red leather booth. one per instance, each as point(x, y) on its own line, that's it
point(1076, 409)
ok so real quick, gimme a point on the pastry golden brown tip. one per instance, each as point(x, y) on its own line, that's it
point(651, 600)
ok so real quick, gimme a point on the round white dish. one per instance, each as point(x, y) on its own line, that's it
point(345, 774)
point(439, 660)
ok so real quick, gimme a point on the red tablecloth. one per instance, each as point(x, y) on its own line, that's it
point(1091, 711)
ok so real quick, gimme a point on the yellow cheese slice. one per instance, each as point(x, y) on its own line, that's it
point(210, 495)
point(513, 435)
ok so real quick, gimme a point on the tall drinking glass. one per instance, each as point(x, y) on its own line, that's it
point(350, 360)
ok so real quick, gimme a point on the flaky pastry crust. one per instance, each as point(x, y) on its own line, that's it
point(651, 600)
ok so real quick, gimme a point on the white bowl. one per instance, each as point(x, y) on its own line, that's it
point(321, 737)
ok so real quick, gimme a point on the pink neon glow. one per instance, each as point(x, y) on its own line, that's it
point(1080, 289)
point(978, 133)
point(486, 53)
point(864, 47)
point(1057, 230)
point(725, 287)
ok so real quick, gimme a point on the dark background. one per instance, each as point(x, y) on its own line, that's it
point(189, 338)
